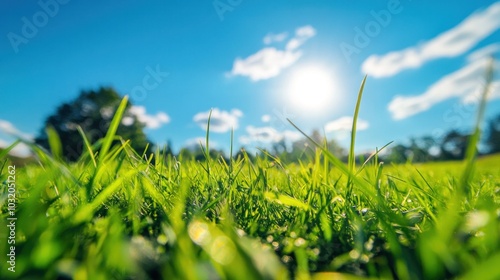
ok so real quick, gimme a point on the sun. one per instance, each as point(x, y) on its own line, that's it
point(311, 88)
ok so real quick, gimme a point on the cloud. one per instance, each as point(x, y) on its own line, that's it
point(9, 131)
point(220, 121)
point(9, 128)
point(265, 64)
point(473, 98)
point(302, 34)
point(20, 150)
point(465, 83)
point(267, 135)
point(265, 118)
point(275, 38)
point(344, 124)
point(450, 43)
point(485, 52)
point(151, 121)
point(269, 62)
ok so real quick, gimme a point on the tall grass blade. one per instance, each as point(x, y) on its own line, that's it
point(87, 145)
point(54, 143)
point(471, 151)
point(7, 150)
point(352, 156)
point(110, 134)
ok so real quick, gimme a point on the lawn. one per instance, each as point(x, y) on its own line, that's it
point(115, 214)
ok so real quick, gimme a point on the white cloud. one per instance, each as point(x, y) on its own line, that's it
point(220, 121)
point(151, 121)
point(269, 62)
point(272, 38)
point(267, 134)
point(9, 131)
point(291, 135)
point(9, 128)
point(265, 118)
point(265, 64)
point(465, 83)
point(302, 34)
point(345, 124)
point(450, 43)
point(473, 98)
point(485, 52)
point(20, 150)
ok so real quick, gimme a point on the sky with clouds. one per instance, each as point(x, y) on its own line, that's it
point(251, 65)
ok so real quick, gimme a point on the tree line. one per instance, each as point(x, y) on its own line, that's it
point(93, 110)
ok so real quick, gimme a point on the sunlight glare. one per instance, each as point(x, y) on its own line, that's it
point(311, 88)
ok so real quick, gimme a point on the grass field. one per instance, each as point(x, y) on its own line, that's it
point(115, 215)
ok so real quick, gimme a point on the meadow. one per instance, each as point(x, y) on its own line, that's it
point(117, 214)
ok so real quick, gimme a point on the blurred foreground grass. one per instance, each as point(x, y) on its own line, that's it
point(174, 219)
point(115, 214)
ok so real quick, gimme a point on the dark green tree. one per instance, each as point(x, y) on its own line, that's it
point(398, 154)
point(93, 112)
point(493, 135)
point(453, 145)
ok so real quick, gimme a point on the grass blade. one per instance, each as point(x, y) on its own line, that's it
point(54, 143)
point(110, 135)
point(87, 145)
point(471, 152)
point(352, 157)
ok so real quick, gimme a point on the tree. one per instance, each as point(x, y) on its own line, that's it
point(398, 154)
point(304, 149)
point(93, 112)
point(420, 149)
point(493, 136)
point(453, 145)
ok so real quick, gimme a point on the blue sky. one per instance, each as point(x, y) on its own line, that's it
point(255, 63)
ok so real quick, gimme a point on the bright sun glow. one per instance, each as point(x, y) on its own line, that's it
point(311, 88)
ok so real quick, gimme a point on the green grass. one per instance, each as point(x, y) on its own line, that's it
point(115, 214)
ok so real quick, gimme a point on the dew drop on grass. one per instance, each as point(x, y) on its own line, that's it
point(354, 254)
point(162, 239)
point(269, 238)
point(476, 220)
point(286, 259)
point(299, 242)
point(369, 243)
point(241, 232)
point(199, 233)
point(364, 258)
